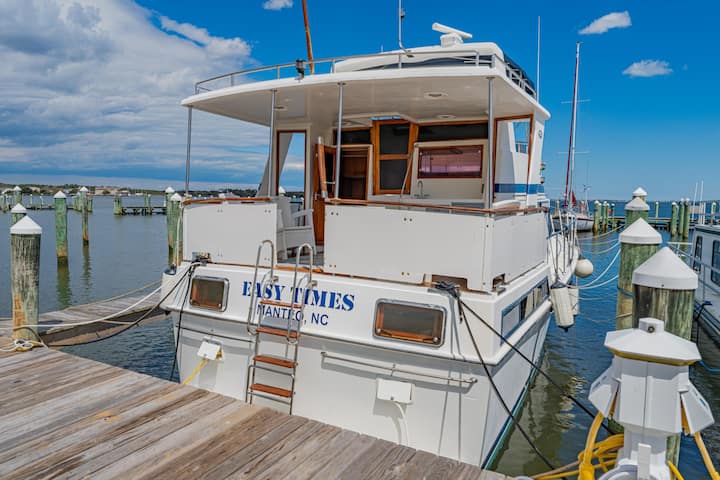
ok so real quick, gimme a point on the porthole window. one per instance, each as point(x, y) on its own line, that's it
point(209, 292)
point(409, 322)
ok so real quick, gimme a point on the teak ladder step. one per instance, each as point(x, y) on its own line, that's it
point(276, 303)
point(280, 332)
point(280, 392)
point(273, 360)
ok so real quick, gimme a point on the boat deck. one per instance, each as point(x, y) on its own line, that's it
point(67, 417)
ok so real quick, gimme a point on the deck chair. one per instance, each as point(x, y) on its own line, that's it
point(290, 232)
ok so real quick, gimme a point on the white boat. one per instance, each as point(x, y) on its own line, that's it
point(416, 187)
point(704, 258)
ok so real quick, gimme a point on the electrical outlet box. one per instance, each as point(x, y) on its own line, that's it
point(395, 391)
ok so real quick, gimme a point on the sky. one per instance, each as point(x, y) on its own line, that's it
point(91, 89)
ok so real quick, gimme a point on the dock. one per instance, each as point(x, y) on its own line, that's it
point(55, 330)
point(68, 417)
point(140, 210)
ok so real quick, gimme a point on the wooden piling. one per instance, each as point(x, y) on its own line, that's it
point(17, 213)
point(174, 227)
point(117, 205)
point(597, 212)
point(638, 242)
point(25, 277)
point(61, 248)
point(681, 217)
point(674, 220)
point(686, 221)
point(169, 191)
point(664, 288)
point(83, 197)
point(90, 202)
point(17, 195)
point(657, 209)
point(636, 208)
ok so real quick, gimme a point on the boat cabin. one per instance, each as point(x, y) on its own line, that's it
point(405, 153)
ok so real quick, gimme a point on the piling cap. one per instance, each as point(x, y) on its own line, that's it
point(639, 192)
point(84, 189)
point(665, 270)
point(60, 194)
point(18, 209)
point(176, 198)
point(17, 189)
point(26, 226)
point(169, 190)
point(650, 342)
point(640, 233)
point(637, 203)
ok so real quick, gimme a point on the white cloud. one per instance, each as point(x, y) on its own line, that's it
point(277, 4)
point(648, 68)
point(93, 87)
point(606, 22)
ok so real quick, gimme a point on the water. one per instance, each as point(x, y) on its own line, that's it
point(127, 252)
point(575, 359)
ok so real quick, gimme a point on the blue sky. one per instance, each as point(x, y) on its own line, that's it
point(92, 88)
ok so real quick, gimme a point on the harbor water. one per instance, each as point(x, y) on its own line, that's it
point(126, 252)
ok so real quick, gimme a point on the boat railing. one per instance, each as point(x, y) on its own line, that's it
point(701, 268)
point(470, 57)
point(438, 207)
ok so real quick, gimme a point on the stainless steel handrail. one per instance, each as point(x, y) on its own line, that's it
point(513, 73)
point(394, 369)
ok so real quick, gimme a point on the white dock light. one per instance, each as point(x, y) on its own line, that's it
point(649, 385)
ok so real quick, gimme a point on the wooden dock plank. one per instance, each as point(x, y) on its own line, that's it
point(67, 417)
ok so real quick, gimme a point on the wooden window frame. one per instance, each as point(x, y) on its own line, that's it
point(377, 157)
point(207, 306)
point(396, 335)
point(276, 156)
point(445, 147)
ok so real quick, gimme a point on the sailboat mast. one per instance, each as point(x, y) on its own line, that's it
point(570, 173)
point(308, 41)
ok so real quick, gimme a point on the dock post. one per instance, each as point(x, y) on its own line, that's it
point(596, 217)
point(613, 217)
point(681, 217)
point(664, 288)
point(17, 195)
point(117, 205)
point(638, 242)
point(30, 202)
point(90, 202)
point(634, 209)
point(25, 277)
point(674, 219)
point(606, 216)
point(640, 193)
point(686, 225)
point(168, 194)
point(657, 210)
point(2, 202)
point(175, 233)
point(84, 211)
point(17, 213)
point(713, 206)
point(61, 248)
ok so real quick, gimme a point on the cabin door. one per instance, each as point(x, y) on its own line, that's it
point(324, 187)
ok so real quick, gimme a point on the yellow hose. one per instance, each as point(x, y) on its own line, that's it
point(706, 456)
point(586, 469)
point(194, 373)
point(676, 473)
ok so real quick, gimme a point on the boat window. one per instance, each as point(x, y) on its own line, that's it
point(393, 140)
point(698, 253)
point(453, 131)
point(450, 162)
point(521, 128)
point(209, 292)
point(715, 275)
point(290, 162)
point(409, 322)
point(516, 313)
point(355, 137)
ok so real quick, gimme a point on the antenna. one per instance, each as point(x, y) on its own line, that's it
point(401, 17)
point(537, 72)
